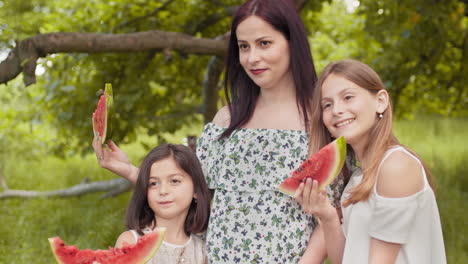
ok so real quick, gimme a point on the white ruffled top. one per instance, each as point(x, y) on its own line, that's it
point(192, 252)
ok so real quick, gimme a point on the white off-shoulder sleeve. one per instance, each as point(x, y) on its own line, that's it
point(393, 218)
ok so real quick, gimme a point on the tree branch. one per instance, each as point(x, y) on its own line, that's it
point(24, 56)
point(10, 67)
point(121, 188)
point(153, 13)
point(212, 19)
point(112, 186)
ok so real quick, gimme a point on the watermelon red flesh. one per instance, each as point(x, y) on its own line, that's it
point(141, 252)
point(103, 112)
point(100, 119)
point(323, 167)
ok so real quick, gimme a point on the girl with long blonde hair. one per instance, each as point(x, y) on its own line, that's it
point(389, 209)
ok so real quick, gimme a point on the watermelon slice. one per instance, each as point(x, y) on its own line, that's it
point(103, 113)
point(323, 166)
point(141, 252)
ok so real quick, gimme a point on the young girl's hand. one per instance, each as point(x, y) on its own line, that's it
point(314, 201)
point(114, 159)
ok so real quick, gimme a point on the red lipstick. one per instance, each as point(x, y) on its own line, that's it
point(257, 71)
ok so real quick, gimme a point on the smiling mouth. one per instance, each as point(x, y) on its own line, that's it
point(344, 123)
point(257, 71)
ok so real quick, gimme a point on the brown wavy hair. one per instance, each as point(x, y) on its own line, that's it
point(381, 134)
point(140, 214)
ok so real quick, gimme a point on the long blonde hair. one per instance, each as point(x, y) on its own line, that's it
point(381, 135)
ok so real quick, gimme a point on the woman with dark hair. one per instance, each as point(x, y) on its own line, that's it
point(244, 79)
point(256, 141)
point(259, 138)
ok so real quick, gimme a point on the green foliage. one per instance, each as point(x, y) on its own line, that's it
point(22, 131)
point(334, 39)
point(419, 50)
point(85, 221)
point(154, 92)
point(424, 53)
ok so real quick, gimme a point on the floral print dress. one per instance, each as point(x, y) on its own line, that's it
point(251, 221)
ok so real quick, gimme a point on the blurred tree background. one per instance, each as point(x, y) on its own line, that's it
point(166, 91)
point(418, 47)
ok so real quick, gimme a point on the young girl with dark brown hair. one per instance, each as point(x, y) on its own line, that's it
point(170, 192)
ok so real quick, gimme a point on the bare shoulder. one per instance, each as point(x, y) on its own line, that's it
point(400, 175)
point(222, 117)
point(126, 237)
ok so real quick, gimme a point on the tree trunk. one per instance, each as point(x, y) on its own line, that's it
point(210, 88)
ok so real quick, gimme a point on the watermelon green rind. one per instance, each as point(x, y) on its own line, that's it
point(340, 148)
point(162, 232)
point(313, 166)
point(139, 253)
point(109, 95)
point(110, 109)
point(52, 246)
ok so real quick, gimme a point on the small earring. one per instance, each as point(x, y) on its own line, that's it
point(380, 115)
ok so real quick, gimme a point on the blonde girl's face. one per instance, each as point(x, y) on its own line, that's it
point(348, 110)
point(263, 53)
point(170, 190)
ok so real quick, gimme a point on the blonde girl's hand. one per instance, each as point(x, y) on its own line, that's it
point(314, 201)
point(113, 158)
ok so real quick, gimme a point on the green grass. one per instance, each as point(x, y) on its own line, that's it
point(89, 222)
point(86, 221)
point(442, 145)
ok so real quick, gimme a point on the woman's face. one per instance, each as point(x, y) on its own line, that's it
point(263, 53)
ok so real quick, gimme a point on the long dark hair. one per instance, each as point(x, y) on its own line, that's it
point(139, 213)
point(241, 92)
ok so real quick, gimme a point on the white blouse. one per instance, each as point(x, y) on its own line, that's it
point(411, 221)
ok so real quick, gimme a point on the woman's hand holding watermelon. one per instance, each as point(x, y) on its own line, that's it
point(314, 201)
point(114, 159)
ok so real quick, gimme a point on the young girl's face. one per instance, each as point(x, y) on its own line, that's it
point(170, 190)
point(263, 53)
point(348, 110)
